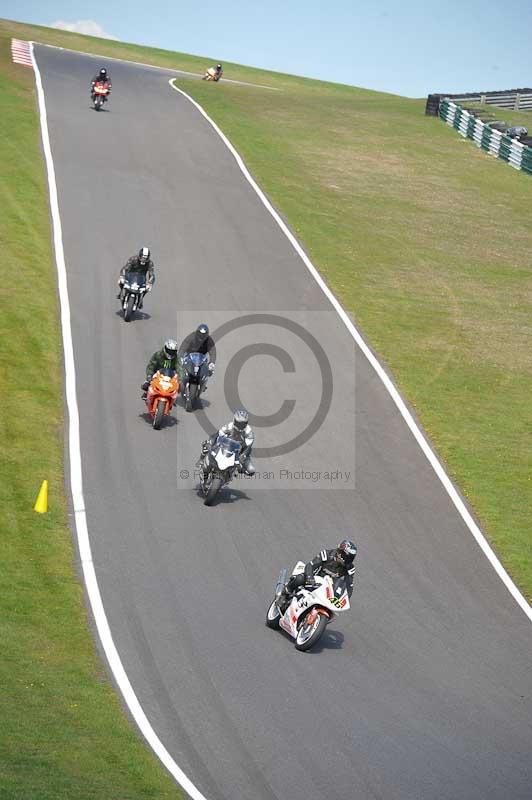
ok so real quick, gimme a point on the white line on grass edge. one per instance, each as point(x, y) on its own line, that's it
point(76, 482)
point(396, 397)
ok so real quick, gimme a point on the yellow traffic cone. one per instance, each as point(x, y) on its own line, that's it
point(41, 504)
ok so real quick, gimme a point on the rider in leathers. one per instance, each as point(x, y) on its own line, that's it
point(101, 77)
point(338, 562)
point(240, 430)
point(139, 263)
point(166, 358)
point(199, 341)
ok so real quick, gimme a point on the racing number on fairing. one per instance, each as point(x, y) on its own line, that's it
point(339, 603)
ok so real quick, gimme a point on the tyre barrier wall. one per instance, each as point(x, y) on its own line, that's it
point(492, 141)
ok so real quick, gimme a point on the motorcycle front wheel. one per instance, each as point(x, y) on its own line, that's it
point(190, 396)
point(214, 488)
point(273, 616)
point(159, 414)
point(310, 632)
point(128, 310)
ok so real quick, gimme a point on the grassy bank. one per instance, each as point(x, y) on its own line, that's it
point(427, 242)
point(63, 732)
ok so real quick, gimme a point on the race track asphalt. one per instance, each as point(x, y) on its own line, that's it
point(423, 690)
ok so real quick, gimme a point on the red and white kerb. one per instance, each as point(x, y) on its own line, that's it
point(21, 52)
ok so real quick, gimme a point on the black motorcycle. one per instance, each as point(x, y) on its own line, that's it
point(195, 373)
point(133, 290)
point(218, 467)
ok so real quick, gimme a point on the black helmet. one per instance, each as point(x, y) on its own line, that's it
point(218, 66)
point(346, 552)
point(144, 255)
point(202, 331)
point(240, 419)
point(103, 74)
point(170, 348)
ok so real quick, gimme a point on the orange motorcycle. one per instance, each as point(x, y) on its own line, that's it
point(162, 394)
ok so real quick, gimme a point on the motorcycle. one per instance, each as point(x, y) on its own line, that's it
point(162, 394)
point(100, 94)
point(212, 75)
point(310, 609)
point(218, 467)
point(195, 376)
point(133, 290)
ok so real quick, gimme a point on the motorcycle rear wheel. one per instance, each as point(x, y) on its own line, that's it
point(273, 616)
point(214, 488)
point(128, 310)
point(159, 414)
point(308, 635)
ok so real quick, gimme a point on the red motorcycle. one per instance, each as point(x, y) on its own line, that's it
point(100, 94)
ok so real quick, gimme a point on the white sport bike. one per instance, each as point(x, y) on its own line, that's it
point(310, 609)
point(221, 464)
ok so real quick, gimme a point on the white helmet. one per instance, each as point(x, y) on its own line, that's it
point(170, 348)
point(144, 255)
point(240, 419)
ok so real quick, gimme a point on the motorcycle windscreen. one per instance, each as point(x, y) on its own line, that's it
point(193, 362)
point(136, 277)
point(226, 452)
point(341, 598)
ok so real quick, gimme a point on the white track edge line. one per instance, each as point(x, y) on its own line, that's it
point(396, 397)
point(76, 483)
point(155, 66)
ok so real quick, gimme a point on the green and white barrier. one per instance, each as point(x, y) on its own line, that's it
point(492, 141)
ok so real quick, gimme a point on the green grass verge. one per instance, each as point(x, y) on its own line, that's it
point(63, 732)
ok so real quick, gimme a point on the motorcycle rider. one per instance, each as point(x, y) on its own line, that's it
point(139, 263)
point(166, 358)
point(214, 73)
point(101, 77)
point(199, 341)
point(338, 563)
point(240, 431)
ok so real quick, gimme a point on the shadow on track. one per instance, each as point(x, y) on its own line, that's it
point(198, 404)
point(169, 421)
point(331, 640)
point(225, 496)
point(137, 315)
